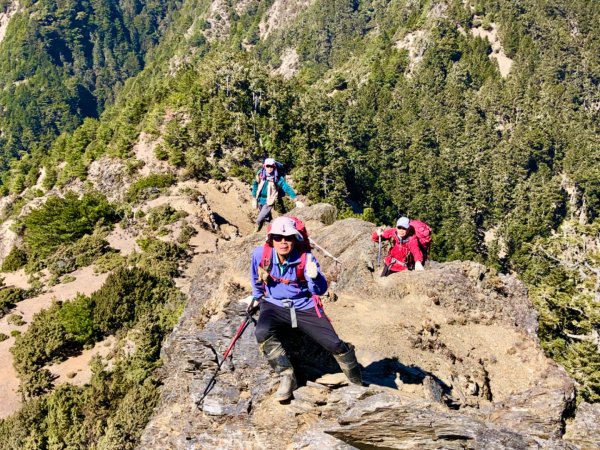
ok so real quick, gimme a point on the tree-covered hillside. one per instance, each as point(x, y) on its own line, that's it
point(391, 106)
point(63, 61)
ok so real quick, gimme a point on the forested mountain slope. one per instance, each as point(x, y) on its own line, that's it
point(480, 117)
point(61, 62)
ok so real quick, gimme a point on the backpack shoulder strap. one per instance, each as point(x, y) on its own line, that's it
point(300, 268)
point(266, 264)
point(266, 260)
point(260, 174)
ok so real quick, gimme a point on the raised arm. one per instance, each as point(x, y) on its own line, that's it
point(283, 185)
point(317, 283)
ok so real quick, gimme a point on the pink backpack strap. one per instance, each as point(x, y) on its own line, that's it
point(300, 269)
point(319, 307)
point(266, 260)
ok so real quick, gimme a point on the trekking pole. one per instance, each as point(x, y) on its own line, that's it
point(238, 334)
point(324, 251)
point(379, 252)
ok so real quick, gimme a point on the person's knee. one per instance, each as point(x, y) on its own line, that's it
point(337, 348)
point(261, 333)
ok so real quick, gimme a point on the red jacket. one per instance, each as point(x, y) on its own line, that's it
point(397, 257)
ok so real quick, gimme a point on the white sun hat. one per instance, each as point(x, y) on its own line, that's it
point(284, 226)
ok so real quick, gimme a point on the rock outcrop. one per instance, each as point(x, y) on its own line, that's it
point(583, 430)
point(450, 357)
point(109, 176)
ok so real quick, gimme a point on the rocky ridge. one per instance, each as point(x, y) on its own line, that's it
point(450, 357)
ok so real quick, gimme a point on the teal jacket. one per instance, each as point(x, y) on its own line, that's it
point(282, 186)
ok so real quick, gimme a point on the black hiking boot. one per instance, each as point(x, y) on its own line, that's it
point(349, 365)
point(275, 354)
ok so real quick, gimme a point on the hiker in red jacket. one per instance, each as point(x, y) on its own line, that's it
point(405, 250)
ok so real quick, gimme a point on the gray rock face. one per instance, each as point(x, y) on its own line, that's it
point(584, 430)
point(108, 175)
point(321, 212)
point(538, 411)
point(387, 421)
point(453, 398)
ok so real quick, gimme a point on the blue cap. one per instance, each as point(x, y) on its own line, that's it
point(403, 222)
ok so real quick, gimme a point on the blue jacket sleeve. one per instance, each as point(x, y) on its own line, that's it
point(286, 188)
point(318, 285)
point(257, 286)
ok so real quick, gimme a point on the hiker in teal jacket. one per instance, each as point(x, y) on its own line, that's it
point(266, 190)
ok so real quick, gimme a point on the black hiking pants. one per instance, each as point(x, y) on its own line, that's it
point(275, 319)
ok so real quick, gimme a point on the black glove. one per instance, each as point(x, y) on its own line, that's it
point(253, 306)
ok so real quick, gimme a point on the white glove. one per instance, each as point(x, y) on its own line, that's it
point(254, 204)
point(418, 265)
point(311, 267)
point(379, 231)
point(299, 204)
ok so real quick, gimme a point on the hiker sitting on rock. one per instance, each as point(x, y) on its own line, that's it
point(266, 190)
point(405, 250)
point(286, 284)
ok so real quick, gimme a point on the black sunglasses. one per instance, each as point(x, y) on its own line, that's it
point(279, 238)
point(402, 228)
point(270, 166)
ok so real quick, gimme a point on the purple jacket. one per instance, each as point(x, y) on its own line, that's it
point(301, 295)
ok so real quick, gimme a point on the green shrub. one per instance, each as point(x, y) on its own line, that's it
point(144, 188)
point(241, 172)
point(3, 337)
point(63, 221)
point(27, 425)
point(190, 192)
point(37, 382)
point(159, 258)
point(163, 215)
point(61, 262)
point(84, 252)
point(65, 328)
point(113, 409)
point(76, 317)
point(67, 279)
point(16, 259)
point(161, 153)
point(109, 262)
point(15, 319)
point(186, 233)
point(125, 293)
point(15, 333)
point(45, 340)
point(9, 297)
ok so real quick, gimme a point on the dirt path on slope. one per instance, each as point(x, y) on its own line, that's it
point(17, 279)
point(77, 370)
point(85, 282)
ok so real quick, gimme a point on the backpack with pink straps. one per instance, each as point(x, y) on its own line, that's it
point(422, 233)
